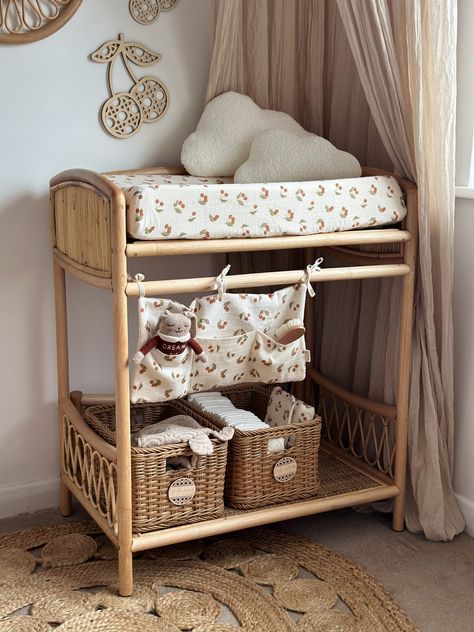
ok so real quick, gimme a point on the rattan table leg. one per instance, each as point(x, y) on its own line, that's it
point(404, 362)
point(65, 503)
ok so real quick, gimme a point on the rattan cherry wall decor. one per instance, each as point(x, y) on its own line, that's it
point(147, 11)
point(23, 21)
point(147, 101)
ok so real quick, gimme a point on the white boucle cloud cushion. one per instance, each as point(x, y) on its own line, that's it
point(224, 135)
point(280, 156)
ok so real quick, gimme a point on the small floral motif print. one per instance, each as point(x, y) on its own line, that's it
point(264, 193)
point(320, 223)
point(241, 359)
point(283, 191)
point(355, 221)
point(246, 316)
point(239, 332)
point(193, 216)
point(142, 369)
point(223, 373)
point(241, 199)
point(242, 339)
point(373, 189)
point(300, 195)
point(227, 306)
point(395, 216)
point(265, 228)
point(245, 230)
point(344, 212)
point(320, 190)
point(303, 226)
point(311, 206)
point(222, 324)
point(364, 203)
point(203, 199)
point(254, 209)
point(159, 206)
point(205, 234)
point(353, 192)
point(139, 213)
point(289, 215)
point(155, 383)
point(329, 209)
point(231, 220)
point(213, 218)
point(202, 322)
point(179, 206)
point(390, 191)
point(254, 373)
point(263, 314)
point(382, 209)
point(337, 188)
point(166, 230)
point(149, 230)
point(372, 221)
point(211, 369)
point(274, 212)
point(223, 196)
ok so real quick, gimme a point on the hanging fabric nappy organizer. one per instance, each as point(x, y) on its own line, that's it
point(237, 333)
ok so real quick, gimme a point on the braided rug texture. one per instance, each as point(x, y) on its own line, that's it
point(255, 581)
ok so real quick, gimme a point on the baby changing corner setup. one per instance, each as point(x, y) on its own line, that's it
point(199, 438)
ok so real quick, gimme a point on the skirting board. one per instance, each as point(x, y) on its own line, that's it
point(467, 509)
point(30, 496)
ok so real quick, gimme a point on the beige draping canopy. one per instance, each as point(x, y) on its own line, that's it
point(377, 78)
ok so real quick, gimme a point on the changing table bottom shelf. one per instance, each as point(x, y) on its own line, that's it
point(345, 482)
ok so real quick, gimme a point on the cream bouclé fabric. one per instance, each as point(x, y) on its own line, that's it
point(236, 332)
point(280, 156)
point(225, 133)
point(380, 83)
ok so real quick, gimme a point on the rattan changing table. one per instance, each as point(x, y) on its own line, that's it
point(90, 242)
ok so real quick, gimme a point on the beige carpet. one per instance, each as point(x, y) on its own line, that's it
point(433, 582)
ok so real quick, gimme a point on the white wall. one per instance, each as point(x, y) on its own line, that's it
point(50, 97)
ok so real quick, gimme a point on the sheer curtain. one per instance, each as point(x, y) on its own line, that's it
point(378, 79)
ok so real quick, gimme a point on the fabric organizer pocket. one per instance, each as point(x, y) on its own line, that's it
point(237, 334)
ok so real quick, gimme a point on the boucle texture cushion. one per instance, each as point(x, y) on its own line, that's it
point(224, 135)
point(278, 155)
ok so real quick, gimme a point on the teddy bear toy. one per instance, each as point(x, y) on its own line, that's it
point(175, 333)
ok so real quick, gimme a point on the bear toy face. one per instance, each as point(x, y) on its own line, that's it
point(178, 325)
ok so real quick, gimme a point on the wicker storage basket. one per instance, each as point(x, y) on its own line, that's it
point(255, 478)
point(164, 498)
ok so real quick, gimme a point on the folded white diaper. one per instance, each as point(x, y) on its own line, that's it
point(238, 418)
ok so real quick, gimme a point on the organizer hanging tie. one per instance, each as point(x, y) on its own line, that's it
point(220, 282)
point(139, 278)
point(313, 267)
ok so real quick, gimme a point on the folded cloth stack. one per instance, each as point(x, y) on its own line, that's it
point(181, 429)
point(284, 408)
point(238, 418)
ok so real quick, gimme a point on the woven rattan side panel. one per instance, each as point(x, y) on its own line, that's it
point(93, 474)
point(365, 434)
point(82, 226)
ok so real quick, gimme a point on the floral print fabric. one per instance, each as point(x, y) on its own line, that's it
point(236, 333)
point(189, 207)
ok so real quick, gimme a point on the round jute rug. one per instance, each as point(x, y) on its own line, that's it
point(64, 577)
